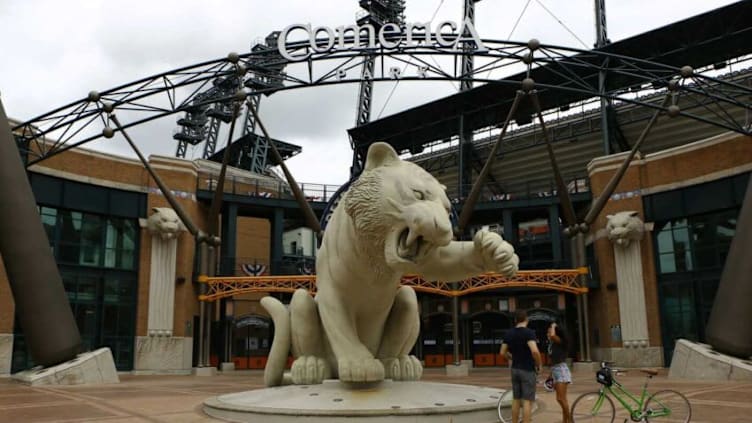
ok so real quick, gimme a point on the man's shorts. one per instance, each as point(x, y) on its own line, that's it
point(560, 373)
point(523, 384)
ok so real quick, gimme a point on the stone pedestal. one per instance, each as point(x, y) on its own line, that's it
point(585, 366)
point(163, 355)
point(227, 367)
point(692, 360)
point(468, 363)
point(6, 353)
point(461, 369)
point(95, 367)
point(204, 371)
point(383, 402)
point(630, 357)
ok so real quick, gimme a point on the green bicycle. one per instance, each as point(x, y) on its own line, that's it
point(662, 406)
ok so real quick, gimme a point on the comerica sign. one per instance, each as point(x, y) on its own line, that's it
point(323, 39)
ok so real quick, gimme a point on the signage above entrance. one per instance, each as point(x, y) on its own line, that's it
point(389, 36)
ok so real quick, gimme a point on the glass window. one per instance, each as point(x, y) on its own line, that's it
point(70, 226)
point(109, 320)
point(726, 228)
point(49, 221)
point(706, 258)
point(86, 318)
point(69, 283)
point(120, 244)
point(91, 240)
point(668, 264)
point(665, 240)
point(86, 288)
point(680, 223)
point(127, 259)
point(681, 238)
point(703, 234)
point(103, 301)
point(126, 320)
point(679, 311)
point(111, 290)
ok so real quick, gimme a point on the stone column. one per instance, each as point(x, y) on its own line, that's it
point(634, 324)
point(160, 351)
point(625, 230)
point(165, 227)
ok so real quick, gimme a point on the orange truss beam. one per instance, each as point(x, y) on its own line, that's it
point(565, 280)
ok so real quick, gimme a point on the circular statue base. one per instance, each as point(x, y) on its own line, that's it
point(334, 401)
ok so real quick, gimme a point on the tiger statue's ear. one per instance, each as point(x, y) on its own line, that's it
point(380, 154)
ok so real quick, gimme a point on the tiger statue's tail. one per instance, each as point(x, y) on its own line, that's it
point(274, 371)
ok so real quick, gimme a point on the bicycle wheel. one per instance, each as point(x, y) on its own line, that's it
point(593, 407)
point(668, 406)
point(504, 407)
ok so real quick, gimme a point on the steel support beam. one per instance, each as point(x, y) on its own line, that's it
point(728, 329)
point(42, 306)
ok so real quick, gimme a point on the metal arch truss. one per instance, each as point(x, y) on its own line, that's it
point(175, 91)
point(564, 280)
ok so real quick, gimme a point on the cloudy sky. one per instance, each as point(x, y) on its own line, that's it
point(57, 51)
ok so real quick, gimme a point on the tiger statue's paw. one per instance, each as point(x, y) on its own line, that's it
point(406, 367)
point(310, 370)
point(498, 255)
point(360, 370)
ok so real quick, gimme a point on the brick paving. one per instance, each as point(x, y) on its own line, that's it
point(178, 399)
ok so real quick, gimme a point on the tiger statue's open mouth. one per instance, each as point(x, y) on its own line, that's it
point(409, 245)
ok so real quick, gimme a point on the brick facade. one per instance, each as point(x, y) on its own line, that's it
point(127, 174)
point(691, 164)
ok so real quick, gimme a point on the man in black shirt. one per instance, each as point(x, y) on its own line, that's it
point(521, 348)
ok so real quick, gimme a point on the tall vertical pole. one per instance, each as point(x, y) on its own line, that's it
point(379, 14)
point(466, 83)
point(203, 271)
point(464, 148)
point(582, 260)
point(41, 303)
point(363, 116)
point(601, 40)
point(210, 308)
point(455, 330)
point(574, 248)
point(467, 48)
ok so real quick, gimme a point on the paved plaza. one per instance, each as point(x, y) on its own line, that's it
point(179, 398)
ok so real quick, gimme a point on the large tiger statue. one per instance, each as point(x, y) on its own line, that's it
point(360, 327)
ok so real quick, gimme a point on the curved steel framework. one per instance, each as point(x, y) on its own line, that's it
point(564, 280)
point(177, 90)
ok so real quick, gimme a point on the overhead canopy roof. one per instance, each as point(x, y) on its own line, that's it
point(240, 148)
point(702, 40)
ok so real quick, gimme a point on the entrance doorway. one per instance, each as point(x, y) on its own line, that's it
point(487, 331)
point(436, 336)
point(252, 340)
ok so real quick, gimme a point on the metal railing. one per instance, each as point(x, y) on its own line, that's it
point(270, 188)
point(523, 190)
point(265, 187)
point(564, 280)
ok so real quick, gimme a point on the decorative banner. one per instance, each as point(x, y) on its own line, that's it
point(253, 269)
